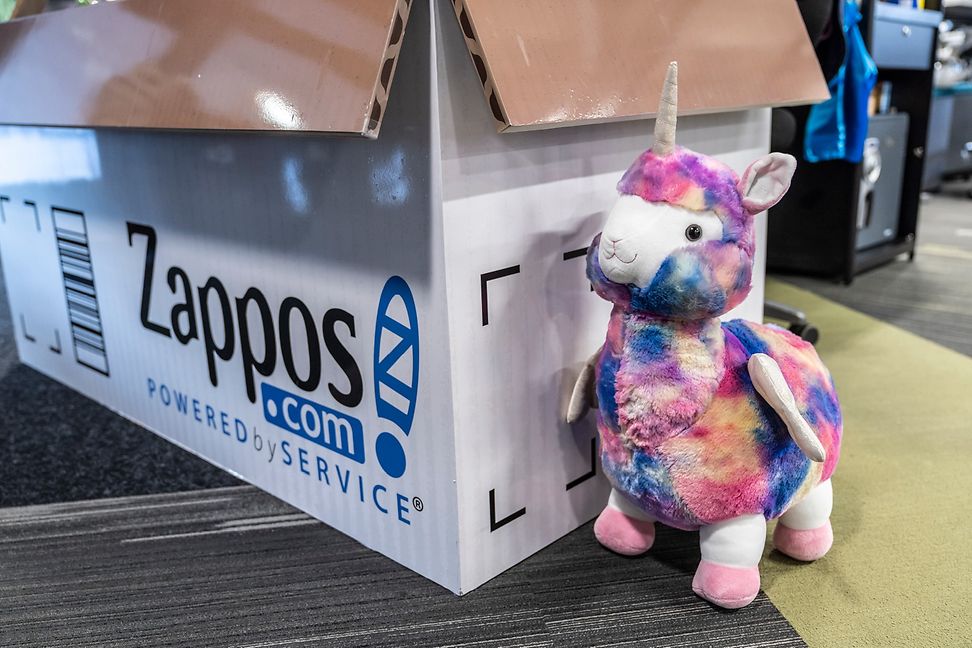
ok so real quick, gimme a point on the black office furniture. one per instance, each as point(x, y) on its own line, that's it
point(816, 228)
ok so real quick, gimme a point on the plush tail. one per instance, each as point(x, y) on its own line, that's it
point(584, 395)
point(771, 385)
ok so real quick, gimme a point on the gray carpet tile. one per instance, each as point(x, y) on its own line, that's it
point(57, 445)
point(236, 567)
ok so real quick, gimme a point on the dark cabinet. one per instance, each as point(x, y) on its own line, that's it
point(839, 218)
point(882, 172)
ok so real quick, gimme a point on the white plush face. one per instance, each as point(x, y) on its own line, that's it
point(639, 236)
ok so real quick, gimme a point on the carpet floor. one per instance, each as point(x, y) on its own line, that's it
point(899, 572)
point(86, 450)
point(930, 296)
point(237, 568)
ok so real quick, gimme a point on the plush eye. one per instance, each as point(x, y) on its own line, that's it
point(693, 232)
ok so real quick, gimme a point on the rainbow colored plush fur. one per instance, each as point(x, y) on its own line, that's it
point(682, 428)
point(683, 431)
point(703, 424)
point(694, 281)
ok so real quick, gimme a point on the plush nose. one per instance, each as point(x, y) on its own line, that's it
point(611, 243)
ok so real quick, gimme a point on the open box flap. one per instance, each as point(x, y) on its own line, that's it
point(305, 65)
point(548, 63)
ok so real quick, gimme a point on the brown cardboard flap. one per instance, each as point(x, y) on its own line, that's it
point(545, 63)
point(305, 65)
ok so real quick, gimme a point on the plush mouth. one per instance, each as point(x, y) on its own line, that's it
point(614, 255)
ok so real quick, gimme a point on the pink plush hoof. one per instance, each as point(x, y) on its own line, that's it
point(623, 534)
point(728, 587)
point(807, 545)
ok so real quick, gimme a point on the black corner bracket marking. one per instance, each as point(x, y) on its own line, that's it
point(33, 205)
point(493, 522)
point(3, 213)
point(56, 347)
point(23, 328)
point(486, 278)
point(577, 254)
point(592, 472)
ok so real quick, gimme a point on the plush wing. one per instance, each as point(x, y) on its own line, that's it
point(771, 385)
point(584, 396)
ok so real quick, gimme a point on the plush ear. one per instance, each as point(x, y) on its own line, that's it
point(765, 181)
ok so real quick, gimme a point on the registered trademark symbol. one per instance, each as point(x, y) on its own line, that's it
point(417, 504)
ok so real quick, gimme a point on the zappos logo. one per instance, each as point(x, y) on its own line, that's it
point(265, 335)
point(396, 367)
point(396, 370)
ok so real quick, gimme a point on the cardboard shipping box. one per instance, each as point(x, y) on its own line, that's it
point(380, 329)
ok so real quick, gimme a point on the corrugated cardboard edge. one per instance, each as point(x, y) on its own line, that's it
point(383, 82)
point(493, 99)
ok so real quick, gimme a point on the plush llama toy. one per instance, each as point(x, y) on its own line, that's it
point(704, 425)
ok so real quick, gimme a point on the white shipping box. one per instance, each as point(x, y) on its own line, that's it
point(382, 333)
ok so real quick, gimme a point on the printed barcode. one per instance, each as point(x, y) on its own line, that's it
point(77, 273)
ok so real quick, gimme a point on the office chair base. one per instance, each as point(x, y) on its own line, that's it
point(795, 320)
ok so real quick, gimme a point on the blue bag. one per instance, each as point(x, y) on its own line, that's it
point(837, 128)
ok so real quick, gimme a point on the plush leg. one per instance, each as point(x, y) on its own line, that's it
point(728, 574)
point(804, 531)
point(624, 528)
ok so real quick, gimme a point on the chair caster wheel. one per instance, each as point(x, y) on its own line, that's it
point(807, 331)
